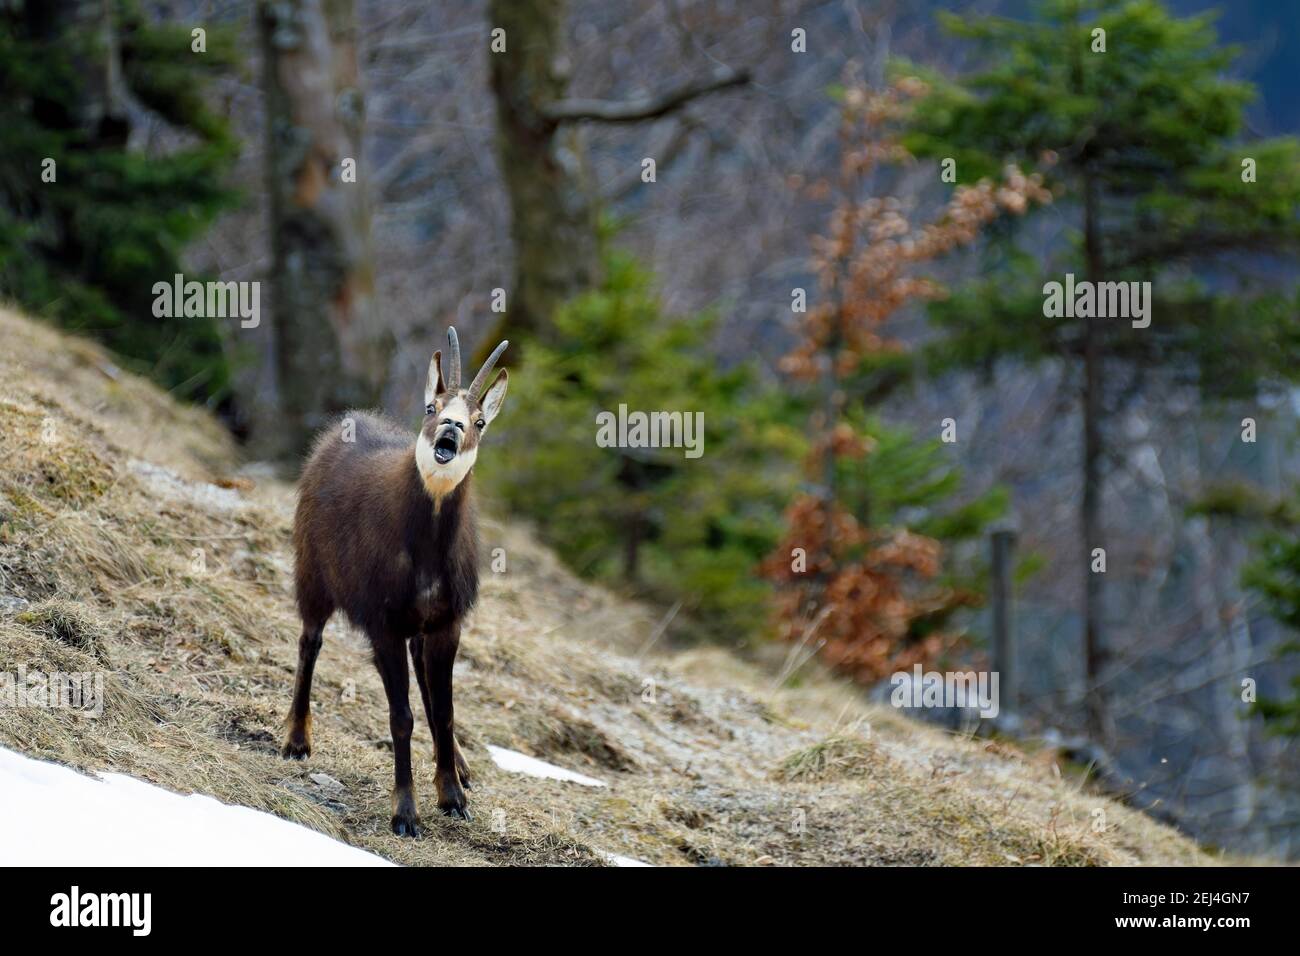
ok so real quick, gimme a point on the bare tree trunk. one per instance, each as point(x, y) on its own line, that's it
point(331, 353)
point(1094, 645)
point(553, 227)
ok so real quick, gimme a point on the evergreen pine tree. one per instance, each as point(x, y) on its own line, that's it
point(652, 520)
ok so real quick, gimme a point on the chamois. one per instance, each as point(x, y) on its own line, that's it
point(385, 532)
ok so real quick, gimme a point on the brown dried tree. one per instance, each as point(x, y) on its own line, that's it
point(860, 591)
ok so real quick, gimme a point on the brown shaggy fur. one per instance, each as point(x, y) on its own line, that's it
point(370, 540)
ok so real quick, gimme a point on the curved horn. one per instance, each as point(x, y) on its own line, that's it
point(486, 370)
point(453, 370)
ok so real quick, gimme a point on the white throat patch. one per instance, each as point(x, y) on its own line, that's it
point(441, 479)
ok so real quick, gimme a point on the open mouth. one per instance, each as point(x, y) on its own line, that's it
point(444, 449)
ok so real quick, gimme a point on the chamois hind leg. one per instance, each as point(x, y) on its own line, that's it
point(297, 742)
point(390, 658)
point(440, 644)
point(417, 662)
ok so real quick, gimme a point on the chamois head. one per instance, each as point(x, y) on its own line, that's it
point(455, 418)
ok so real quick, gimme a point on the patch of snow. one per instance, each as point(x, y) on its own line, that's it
point(51, 815)
point(622, 860)
point(515, 762)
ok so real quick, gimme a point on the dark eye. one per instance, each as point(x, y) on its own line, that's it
point(428, 409)
point(480, 423)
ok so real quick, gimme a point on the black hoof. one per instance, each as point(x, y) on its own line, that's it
point(406, 826)
point(457, 811)
point(295, 750)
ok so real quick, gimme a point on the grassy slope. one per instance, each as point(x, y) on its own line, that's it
point(140, 553)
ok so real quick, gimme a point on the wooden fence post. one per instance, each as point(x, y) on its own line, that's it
point(1003, 542)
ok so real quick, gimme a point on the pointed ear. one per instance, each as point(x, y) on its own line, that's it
point(495, 395)
point(433, 386)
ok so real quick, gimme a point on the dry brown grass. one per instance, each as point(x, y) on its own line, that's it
point(126, 548)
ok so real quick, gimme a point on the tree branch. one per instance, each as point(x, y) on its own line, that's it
point(664, 155)
point(645, 108)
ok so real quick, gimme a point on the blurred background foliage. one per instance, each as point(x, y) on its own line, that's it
point(673, 528)
point(141, 158)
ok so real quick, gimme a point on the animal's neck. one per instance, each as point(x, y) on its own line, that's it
point(441, 479)
point(439, 487)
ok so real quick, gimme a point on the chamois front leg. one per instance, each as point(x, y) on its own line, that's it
point(390, 658)
point(417, 662)
point(440, 645)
